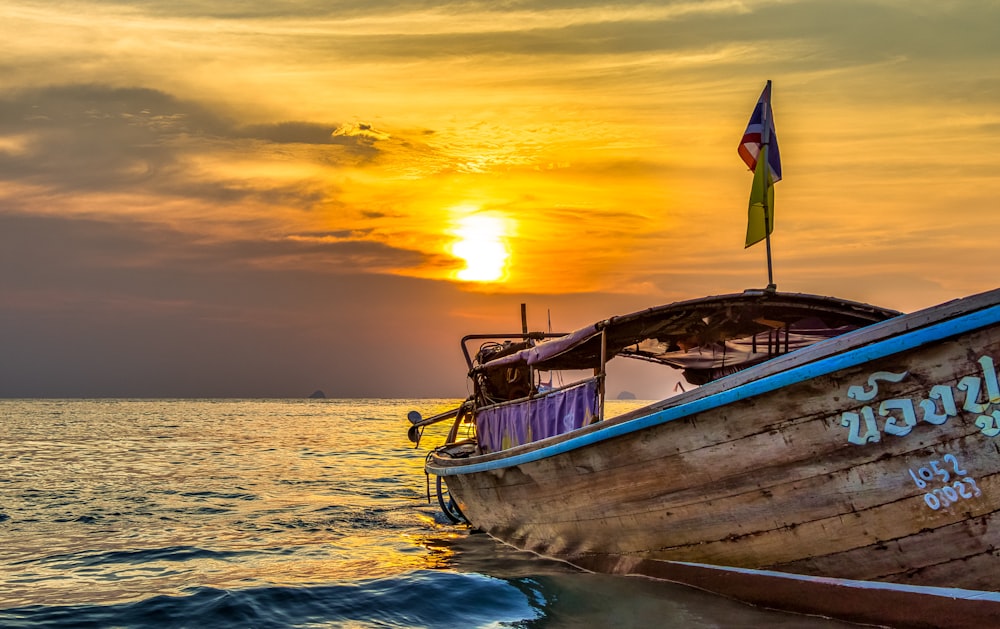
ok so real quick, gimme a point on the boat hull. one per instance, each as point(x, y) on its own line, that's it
point(872, 457)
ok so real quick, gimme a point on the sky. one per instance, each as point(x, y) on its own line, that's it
point(263, 199)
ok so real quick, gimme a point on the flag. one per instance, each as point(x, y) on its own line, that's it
point(760, 215)
point(749, 147)
point(759, 151)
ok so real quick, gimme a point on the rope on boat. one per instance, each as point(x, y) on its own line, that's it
point(448, 506)
point(427, 475)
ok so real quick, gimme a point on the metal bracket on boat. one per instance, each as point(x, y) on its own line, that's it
point(771, 289)
point(416, 431)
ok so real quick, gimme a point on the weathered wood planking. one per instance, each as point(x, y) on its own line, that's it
point(948, 548)
point(771, 481)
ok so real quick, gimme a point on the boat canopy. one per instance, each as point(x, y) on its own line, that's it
point(707, 337)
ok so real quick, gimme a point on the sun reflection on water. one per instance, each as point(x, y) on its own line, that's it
point(115, 501)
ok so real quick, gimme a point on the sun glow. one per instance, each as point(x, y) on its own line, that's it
point(481, 246)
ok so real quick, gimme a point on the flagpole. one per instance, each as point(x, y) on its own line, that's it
point(765, 140)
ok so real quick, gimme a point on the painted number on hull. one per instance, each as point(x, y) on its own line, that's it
point(978, 395)
point(955, 483)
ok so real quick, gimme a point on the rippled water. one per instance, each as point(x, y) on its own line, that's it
point(274, 513)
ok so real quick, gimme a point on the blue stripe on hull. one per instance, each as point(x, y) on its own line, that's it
point(852, 358)
point(969, 595)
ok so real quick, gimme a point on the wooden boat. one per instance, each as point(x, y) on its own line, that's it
point(837, 458)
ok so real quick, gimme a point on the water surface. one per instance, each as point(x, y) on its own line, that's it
point(275, 513)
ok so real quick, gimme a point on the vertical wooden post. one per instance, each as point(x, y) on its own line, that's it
point(524, 332)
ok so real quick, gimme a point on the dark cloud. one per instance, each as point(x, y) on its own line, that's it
point(98, 138)
point(825, 35)
point(75, 254)
point(292, 132)
point(362, 144)
point(338, 235)
point(57, 105)
point(240, 9)
point(90, 138)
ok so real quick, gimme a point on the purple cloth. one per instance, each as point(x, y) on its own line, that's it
point(510, 425)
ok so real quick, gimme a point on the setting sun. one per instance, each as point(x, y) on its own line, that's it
point(481, 246)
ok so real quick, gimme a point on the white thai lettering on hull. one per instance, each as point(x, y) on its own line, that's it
point(979, 396)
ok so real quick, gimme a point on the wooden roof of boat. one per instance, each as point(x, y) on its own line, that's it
point(705, 333)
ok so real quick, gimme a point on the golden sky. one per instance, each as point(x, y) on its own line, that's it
point(267, 189)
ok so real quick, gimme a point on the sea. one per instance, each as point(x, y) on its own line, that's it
point(277, 513)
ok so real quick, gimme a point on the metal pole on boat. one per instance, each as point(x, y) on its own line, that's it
point(765, 140)
point(603, 376)
point(770, 272)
